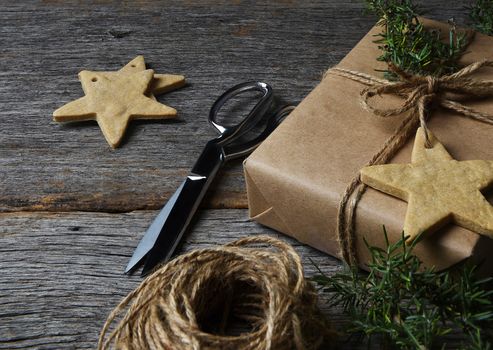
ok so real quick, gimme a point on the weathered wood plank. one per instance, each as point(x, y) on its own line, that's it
point(45, 166)
point(62, 273)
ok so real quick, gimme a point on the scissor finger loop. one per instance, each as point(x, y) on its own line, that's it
point(236, 150)
point(227, 133)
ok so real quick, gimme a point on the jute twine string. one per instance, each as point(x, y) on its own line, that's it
point(420, 94)
point(257, 279)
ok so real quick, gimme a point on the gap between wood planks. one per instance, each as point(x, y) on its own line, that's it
point(115, 203)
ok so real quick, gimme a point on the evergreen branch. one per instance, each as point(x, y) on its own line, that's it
point(408, 44)
point(481, 15)
point(410, 306)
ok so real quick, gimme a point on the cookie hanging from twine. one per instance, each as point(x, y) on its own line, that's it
point(194, 301)
point(438, 188)
point(420, 95)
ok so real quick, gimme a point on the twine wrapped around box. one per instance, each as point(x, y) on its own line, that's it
point(420, 94)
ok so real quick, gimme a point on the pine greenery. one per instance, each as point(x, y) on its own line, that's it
point(407, 44)
point(481, 15)
point(408, 306)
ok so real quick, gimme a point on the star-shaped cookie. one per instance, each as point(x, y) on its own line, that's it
point(115, 98)
point(438, 189)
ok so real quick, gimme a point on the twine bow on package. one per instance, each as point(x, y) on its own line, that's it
point(304, 180)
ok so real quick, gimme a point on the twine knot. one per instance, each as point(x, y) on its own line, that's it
point(420, 95)
point(433, 85)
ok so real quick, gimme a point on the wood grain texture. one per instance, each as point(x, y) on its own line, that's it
point(62, 273)
point(215, 44)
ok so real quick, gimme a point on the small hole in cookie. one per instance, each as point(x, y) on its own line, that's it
point(132, 65)
point(94, 79)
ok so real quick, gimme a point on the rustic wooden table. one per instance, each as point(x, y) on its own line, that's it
point(72, 209)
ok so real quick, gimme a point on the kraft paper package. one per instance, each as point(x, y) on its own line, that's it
point(296, 178)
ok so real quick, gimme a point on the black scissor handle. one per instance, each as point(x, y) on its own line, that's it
point(259, 110)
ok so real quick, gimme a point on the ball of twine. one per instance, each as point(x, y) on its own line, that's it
point(190, 302)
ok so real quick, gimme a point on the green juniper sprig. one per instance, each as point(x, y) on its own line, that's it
point(406, 43)
point(412, 307)
point(481, 15)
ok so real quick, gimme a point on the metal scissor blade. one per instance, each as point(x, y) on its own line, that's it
point(178, 219)
point(152, 233)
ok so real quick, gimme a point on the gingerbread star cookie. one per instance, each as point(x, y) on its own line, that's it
point(115, 98)
point(438, 189)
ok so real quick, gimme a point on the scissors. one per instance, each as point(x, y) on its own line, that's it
point(163, 235)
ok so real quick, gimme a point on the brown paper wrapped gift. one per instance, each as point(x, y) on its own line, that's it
point(296, 178)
